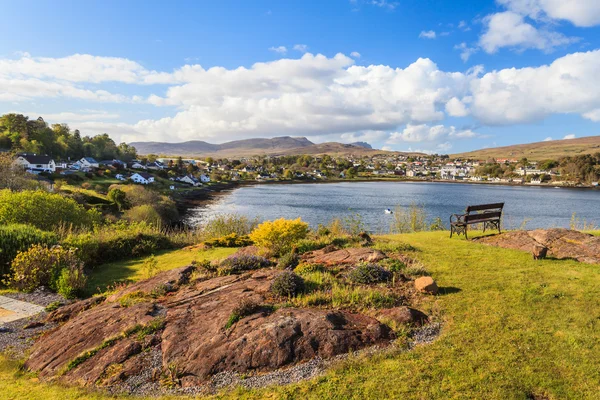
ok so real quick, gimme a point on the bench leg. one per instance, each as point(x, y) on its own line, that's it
point(466, 227)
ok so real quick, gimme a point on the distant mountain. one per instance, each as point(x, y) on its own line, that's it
point(284, 145)
point(537, 151)
point(362, 144)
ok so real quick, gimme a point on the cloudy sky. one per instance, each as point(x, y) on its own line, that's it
point(432, 75)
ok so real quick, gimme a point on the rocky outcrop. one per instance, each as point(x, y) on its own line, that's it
point(561, 243)
point(345, 256)
point(190, 329)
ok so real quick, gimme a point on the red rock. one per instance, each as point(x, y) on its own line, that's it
point(344, 256)
point(166, 281)
point(403, 315)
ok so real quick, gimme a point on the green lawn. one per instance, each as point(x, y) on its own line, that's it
point(513, 328)
point(107, 275)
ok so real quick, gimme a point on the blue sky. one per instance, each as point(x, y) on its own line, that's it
point(439, 76)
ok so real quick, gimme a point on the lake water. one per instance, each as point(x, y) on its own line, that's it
point(541, 207)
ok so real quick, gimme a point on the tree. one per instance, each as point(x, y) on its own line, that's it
point(12, 176)
point(118, 197)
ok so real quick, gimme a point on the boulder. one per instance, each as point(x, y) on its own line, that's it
point(426, 284)
point(561, 243)
point(403, 315)
point(539, 252)
point(349, 256)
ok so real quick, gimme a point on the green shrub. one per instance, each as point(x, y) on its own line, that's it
point(86, 246)
point(144, 213)
point(231, 240)
point(118, 242)
point(15, 238)
point(393, 247)
point(226, 224)
point(71, 281)
point(361, 297)
point(46, 211)
point(150, 267)
point(43, 266)
point(236, 264)
point(288, 261)
point(411, 219)
point(306, 245)
point(287, 284)
point(393, 265)
point(280, 235)
point(368, 273)
point(306, 268)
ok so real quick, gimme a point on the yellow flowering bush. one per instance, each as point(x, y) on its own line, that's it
point(280, 235)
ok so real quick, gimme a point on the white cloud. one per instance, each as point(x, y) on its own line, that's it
point(463, 26)
point(548, 139)
point(569, 136)
point(68, 117)
point(301, 48)
point(465, 51)
point(593, 115)
point(355, 54)
point(567, 86)
point(279, 49)
point(317, 96)
point(390, 5)
point(424, 133)
point(427, 34)
point(81, 68)
point(456, 108)
point(583, 13)
point(509, 29)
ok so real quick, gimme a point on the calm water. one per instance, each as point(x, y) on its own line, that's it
point(542, 207)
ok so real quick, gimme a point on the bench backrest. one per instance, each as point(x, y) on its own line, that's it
point(474, 218)
point(485, 207)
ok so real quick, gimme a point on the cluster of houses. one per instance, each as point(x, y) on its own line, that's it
point(36, 164)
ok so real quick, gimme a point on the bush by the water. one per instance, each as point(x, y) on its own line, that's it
point(226, 224)
point(280, 235)
point(368, 273)
point(231, 240)
point(44, 210)
point(287, 284)
point(236, 264)
point(54, 267)
point(17, 237)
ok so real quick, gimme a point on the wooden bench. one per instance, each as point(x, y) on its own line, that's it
point(487, 214)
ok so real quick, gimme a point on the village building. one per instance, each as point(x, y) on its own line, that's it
point(142, 177)
point(35, 163)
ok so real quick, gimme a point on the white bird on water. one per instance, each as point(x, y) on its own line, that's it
point(388, 211)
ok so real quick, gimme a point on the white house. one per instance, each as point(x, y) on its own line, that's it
point(87, 162)
point(35, 163)
point(204, 178)
point(120, 177)
point(190, 180)
point(137, 165)
point(142, 177)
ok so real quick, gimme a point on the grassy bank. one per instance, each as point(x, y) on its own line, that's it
point(513, 328)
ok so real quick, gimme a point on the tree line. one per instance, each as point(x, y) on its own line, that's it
point(18, 133)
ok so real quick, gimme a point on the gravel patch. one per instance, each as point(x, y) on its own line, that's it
point(15, 339)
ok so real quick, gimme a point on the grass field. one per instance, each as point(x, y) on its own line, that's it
point(513, 328)
point(538, 151)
